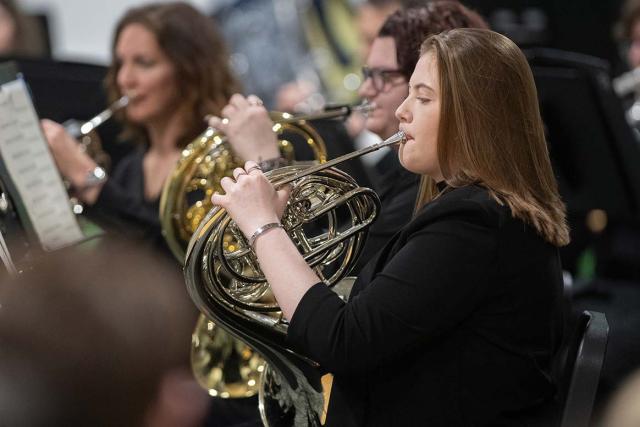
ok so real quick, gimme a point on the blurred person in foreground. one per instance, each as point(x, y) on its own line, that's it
point(97, 338)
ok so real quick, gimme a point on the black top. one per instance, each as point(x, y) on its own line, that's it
point(122, 208)
point(397, 189)
point(453, 324)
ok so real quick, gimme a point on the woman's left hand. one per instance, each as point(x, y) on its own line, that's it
point(71, 160)
point(250, 199)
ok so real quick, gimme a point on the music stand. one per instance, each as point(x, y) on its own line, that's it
point(63, 90)
point(35, 200)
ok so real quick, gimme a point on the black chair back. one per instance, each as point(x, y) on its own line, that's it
point(581, 373)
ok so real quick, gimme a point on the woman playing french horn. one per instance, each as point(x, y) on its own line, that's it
point(455, 321)
point(389, 64)
point(171, 62)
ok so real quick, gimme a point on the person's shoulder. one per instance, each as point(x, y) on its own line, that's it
point(469, 203)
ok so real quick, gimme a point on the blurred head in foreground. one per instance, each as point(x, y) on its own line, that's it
point(88, 336)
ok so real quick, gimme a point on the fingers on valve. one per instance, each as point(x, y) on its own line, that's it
point(216, 198)
point(213, 121)
point(284, 193)
point(228, 111)
point(239, 101)
point(227, 183)
point(254, 100)
point(238, 172)
point(252, 167)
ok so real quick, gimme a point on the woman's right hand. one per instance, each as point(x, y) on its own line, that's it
point(248, 128)
point(250, 199)
point(73, 163)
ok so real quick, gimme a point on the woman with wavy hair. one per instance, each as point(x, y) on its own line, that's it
point(455, 322)
point(171, 62)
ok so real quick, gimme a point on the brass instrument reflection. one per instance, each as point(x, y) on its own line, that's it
point(228, 286)
point(224, 366)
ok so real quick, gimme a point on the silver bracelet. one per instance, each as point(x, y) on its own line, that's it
point(262, 230)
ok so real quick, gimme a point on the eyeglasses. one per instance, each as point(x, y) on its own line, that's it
point(379, 77)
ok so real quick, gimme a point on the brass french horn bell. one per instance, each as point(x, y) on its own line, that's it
point(224, 366)
point(228, 287)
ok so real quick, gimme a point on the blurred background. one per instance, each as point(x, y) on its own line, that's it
point(81, 30)
point(316, 45)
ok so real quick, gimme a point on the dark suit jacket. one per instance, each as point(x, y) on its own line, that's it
point(454, 323)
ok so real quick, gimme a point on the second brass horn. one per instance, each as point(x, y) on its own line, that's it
point(186, 195)
point(228, 286)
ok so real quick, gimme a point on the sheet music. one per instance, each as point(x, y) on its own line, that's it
point(33, 171)
point(5, 256)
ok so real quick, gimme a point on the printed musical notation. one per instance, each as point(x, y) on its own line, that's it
point(33, 171)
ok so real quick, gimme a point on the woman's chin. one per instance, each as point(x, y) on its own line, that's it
point(406, 159)
point(137, 118)
point(401, 154)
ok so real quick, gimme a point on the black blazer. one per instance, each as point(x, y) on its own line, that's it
point(397, 189)
point(454, 323)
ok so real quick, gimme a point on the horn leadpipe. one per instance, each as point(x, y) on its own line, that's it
point(397, 138)
point(339, 111)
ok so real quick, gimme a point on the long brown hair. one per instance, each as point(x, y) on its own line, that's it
point(490, 130)
point(196, 50)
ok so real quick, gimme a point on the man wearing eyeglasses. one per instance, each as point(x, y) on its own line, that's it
point(385, 85)
point(389, 65)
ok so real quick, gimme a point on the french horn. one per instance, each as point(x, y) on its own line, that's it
point(186, 195)
point(222, 365)
point(326, 217)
